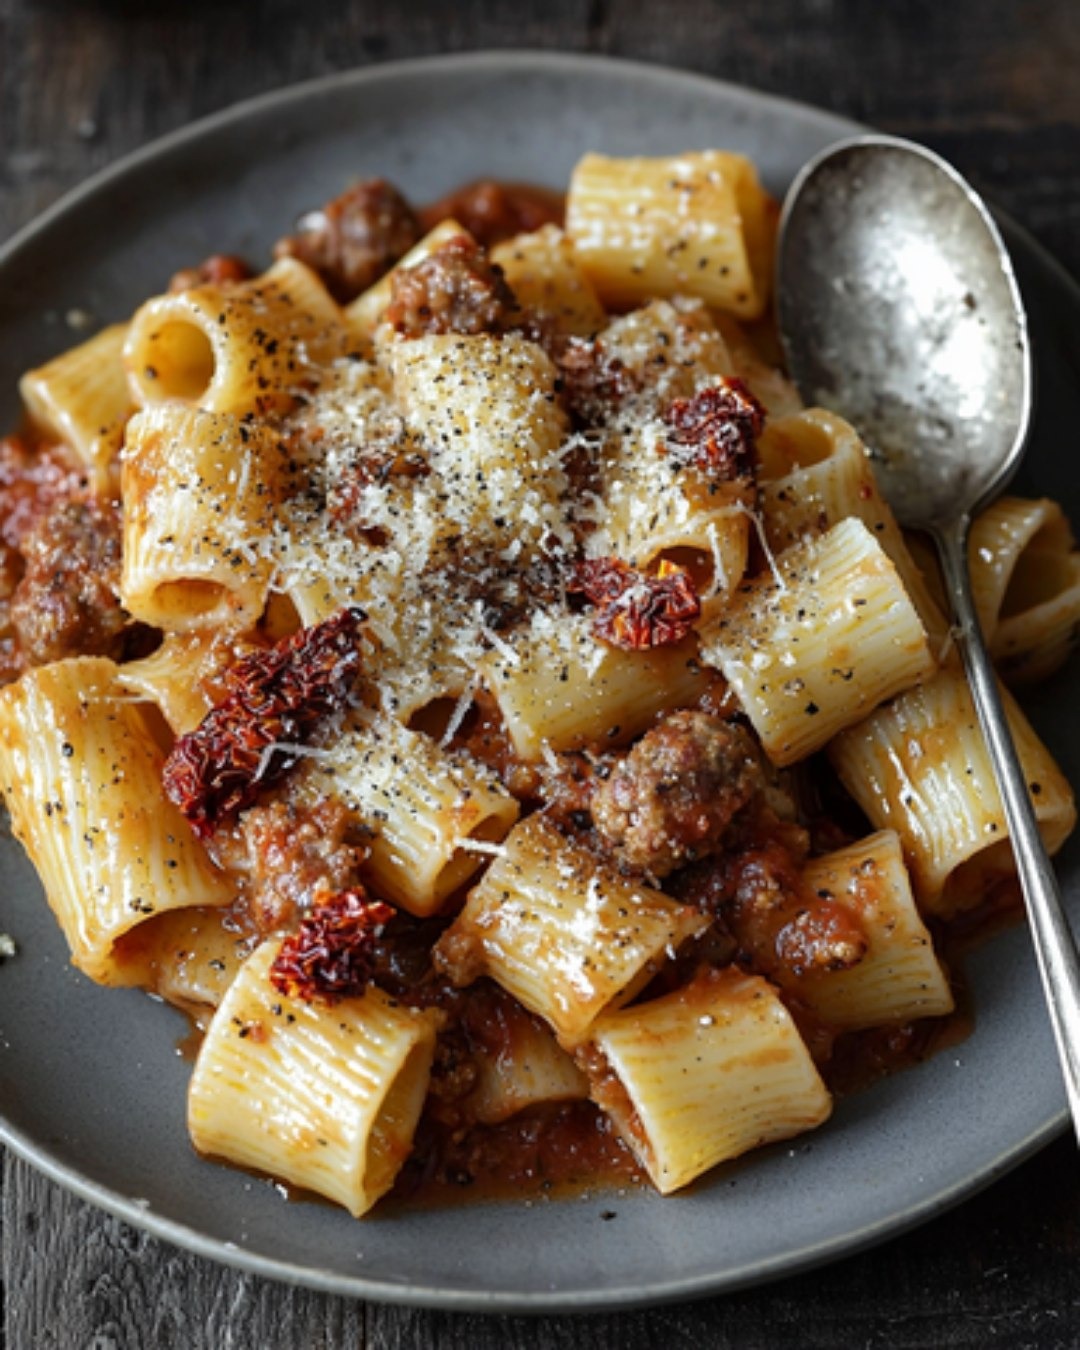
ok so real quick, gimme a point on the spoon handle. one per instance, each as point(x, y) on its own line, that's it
point(1053, 939)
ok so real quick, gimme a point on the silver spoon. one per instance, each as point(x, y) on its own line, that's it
point(899, 309)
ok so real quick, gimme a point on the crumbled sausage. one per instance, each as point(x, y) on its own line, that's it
point(220, 269)
point(67, 602)
point(670, 800)
point(780, 928)
point(12, 662)
point(454, 1075)
point(298, 855)
point(456, 289)
point(355, 238)
point(825, 935)
point(594, 384)
point(569, 783)
point(33, 482)
point(459, 956)
point(492, 212)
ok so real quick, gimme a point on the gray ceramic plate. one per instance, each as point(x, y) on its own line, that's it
point(91, 1085)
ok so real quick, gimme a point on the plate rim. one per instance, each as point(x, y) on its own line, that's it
point(360, 1286)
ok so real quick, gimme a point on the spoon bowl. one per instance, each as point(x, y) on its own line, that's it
point(898, 309)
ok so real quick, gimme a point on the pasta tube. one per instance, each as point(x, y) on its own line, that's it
point(920, 766)
point(1025, 580)
point(694, 224)
point(324, 1096)
point(246, 348)
point(543, 272)
point(557, 686)
point(812, 648)
point(899, 977)
point(426, 810)
point(81, 398)
point(567, 936)
point(486, 409)
point(198, 490)
point(81, 774)
point(816, 473)
point(704, 1074)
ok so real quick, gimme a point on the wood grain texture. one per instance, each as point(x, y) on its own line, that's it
point(987, 82)
point(982, 80)
point(76, 1277)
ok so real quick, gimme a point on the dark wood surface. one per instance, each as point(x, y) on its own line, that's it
point(993, 85)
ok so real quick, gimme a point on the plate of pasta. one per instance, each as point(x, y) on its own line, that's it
point(447, 668)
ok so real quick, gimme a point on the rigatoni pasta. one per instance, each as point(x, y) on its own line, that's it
point(81, 398)
point(920, 766)
point(1025, 580)
point(199, 490)
point(247, 348)
point(429, 813)
point(567, 938)
point(543, 272)
point(704, 1074)
point(558, 688)
point(814, 645)
point(420, 720)
point(82, 780)
point(327, 1099)
point(900, 976)
point(695, 224)
point(816, 472)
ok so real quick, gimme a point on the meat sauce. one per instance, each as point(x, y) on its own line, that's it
point(739, 863)
point(493, 212)
point(59, 560)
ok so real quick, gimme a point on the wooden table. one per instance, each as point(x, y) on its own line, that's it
point(990, 83)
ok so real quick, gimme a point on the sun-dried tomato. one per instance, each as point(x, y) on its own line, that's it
point(274, 702)
point(717, 429)
point(330, 955)
point(635, 609)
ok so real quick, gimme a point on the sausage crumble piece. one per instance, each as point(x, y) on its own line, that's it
point(456, 289)
point(354, 239)
point(220, 269)
point(671, 799)
point(595, 385)
point(781, 930)
point(33, 482)
point(67, 601)
point(823, 936)
point(298, 855)
point(493, 212)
